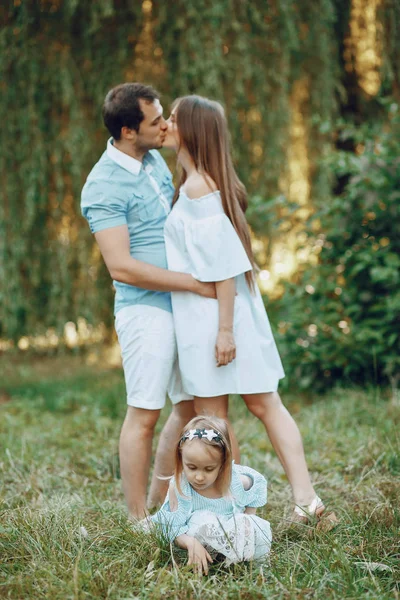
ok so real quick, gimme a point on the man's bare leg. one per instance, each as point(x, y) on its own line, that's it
point(164, 462)
point(218, 406)
point(135, 447)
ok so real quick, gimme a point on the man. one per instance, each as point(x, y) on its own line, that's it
point(126, 200)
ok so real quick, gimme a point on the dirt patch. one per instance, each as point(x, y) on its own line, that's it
point(5, 397)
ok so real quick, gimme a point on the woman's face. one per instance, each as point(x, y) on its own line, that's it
point(172, 137)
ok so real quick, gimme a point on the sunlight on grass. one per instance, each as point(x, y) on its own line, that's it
point(64, 532)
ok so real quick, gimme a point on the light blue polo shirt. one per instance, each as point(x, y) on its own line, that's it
point(121, 190)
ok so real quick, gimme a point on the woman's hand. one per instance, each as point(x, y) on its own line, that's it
point(198, 556)
point(225, 347)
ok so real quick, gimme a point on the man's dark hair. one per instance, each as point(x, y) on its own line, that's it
point(121, 107)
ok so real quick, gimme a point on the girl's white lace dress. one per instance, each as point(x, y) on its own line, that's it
point(201, 240)
point(220, 524)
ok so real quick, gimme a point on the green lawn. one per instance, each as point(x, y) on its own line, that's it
point(64, 533)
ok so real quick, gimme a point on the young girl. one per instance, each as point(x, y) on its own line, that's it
point(225, 346)
point(211, 503)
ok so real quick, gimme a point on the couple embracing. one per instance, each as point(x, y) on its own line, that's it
point(189, 316)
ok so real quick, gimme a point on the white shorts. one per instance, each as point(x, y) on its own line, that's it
point(149, 356)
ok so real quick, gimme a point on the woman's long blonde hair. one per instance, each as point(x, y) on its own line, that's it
point(203, 132)
point(224, 446)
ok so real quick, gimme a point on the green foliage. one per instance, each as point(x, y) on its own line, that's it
point(389, 15)
point(341, 318)
point(57, 61)
point(55, 68)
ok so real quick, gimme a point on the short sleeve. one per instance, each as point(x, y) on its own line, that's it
point(102, 207)
point(173, 523)
point(256, 495)
point(214, 249)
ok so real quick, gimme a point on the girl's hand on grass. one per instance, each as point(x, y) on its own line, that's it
point(198, 556)
point(225, 347)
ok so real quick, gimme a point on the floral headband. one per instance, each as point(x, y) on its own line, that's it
point(209, 434)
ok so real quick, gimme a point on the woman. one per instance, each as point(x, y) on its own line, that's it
point(225, 347)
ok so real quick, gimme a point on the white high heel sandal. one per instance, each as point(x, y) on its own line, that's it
point(315, 511)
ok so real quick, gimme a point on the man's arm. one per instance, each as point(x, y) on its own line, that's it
point(114, 247)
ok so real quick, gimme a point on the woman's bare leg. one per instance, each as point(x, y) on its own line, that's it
point(286, 440)
point(218, 406)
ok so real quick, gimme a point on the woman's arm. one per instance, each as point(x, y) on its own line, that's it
point(225, 348)
point(197, 554)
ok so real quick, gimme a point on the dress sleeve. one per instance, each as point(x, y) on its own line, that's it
point(102, 207)
point(256, 495)
point(173, 523)
point(214, 249)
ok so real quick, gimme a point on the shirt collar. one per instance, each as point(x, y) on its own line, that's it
point(123, 160)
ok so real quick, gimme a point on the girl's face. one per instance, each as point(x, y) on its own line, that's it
point(172, 136)
point(201, 463)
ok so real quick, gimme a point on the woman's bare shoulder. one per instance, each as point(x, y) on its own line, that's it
point(197, 186)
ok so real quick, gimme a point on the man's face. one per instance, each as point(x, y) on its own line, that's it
point(153, 128)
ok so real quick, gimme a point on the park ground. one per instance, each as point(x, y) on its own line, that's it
point(63, 527)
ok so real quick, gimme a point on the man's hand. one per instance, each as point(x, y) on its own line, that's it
point(225, 347)
point(205, 289)
point(198, 556)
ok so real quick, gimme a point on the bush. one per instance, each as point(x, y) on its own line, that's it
point(340, 319)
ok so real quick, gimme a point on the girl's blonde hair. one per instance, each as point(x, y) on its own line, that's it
point(224, 445)
point(203, 132)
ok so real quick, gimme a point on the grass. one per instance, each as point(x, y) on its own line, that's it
point(63, 529)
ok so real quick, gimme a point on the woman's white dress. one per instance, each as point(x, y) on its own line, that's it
point(201, 240)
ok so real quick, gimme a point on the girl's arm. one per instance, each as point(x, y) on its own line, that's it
point(250, 510)
point(225, 348)
point(197, 554)
point(247, 484)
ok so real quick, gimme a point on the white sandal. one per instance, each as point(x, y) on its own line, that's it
point(315, 509)
point(143, 525)
point(315, 512)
